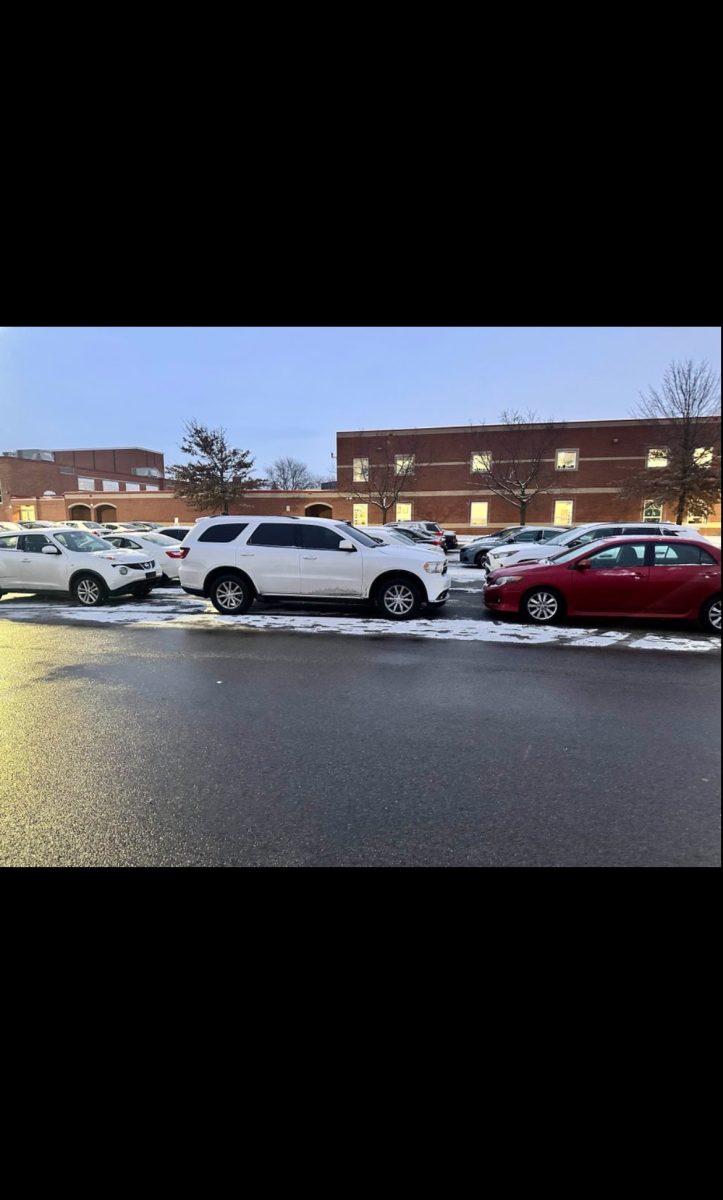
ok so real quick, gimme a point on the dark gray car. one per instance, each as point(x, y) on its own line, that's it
point(475, 554)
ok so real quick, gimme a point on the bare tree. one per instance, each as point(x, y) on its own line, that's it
point(218, 476)
point(688, 409)
point(290, 475)
point(519, 469)
point(386, 473)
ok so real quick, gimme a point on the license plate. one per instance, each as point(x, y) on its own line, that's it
point(150, 574)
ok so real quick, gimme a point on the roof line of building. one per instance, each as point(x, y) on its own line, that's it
point(473, 428)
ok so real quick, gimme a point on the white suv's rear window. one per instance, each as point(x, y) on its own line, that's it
point(228, 532)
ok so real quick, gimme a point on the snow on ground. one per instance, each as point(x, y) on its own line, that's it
point(171, 609)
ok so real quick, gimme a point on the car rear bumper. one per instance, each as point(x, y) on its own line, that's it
point(192, 591)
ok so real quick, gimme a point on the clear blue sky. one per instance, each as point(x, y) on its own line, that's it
point(287, 390)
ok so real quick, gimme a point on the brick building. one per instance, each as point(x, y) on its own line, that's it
point(446, 484)
point(584, 466)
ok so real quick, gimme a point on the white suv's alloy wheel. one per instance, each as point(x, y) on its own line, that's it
point(88, 591)
point(399, 599)
point(542, 606)
point(230, 595)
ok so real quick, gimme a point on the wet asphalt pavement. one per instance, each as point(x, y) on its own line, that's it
point(144, 747)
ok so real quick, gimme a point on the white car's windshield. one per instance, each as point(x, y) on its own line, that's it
point(352, 532)
point(82, 543)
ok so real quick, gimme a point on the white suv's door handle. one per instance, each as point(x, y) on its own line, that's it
point(311, 557)
point(26, 560)
point(246, 554)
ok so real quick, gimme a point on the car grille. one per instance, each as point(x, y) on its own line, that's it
point(143, 566)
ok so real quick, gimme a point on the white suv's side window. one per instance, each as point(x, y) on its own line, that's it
point(10, 542)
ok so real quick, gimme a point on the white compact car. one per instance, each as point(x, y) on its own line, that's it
point(71, 560)
point(395, 537)
point(150, 543)
point(508, 556)
point(234, 560)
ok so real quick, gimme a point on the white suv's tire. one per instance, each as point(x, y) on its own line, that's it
point(399, 599)
point(89, 591)
point(231, 595)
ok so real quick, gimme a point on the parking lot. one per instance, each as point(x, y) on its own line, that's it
point(464, 618)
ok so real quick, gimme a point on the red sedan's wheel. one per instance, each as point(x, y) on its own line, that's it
point(543, 606)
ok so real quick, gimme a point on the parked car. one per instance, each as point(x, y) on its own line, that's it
point(72, 560)
point(234, 560)
point(89, 526)
point(153, 544)
point(475, 554)
point(449, 536)
point(391, 535)
point(37, 524)
point(113, 526)
point(580, 535)
point(10, 527)
point(178, 532)
point(616, 577)
point(423, 536)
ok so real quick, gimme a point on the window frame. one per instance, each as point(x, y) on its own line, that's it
point(403, 504)
point(480, 454)
point(652, 520)
point(567, 450)
point(479, 524)
point(405, 470)
point(359, 478)
point(707, 450)
point(354, 520)
point(555, 518)
point(657, 450)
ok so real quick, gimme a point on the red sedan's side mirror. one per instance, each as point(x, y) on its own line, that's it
point(584, 564)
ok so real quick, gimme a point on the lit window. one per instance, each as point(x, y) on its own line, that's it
point(27, 512)
point(361, 470)
point(562, 513)
point(404, 512)
point(85, 485)
point(696, 519)
point(703, 457)
point(360, 514)
point(478, 511)
point(566, 460)
point(652, 511)
point(404, 464)
point(657, 457)
point(482, 461)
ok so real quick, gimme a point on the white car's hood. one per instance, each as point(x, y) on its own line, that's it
point(121, 555)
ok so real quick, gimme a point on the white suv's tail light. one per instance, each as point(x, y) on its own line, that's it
point(181, 552)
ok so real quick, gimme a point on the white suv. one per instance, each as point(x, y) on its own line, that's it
point(234, 560)
point(72, 560)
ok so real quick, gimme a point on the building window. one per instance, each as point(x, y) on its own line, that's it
point(111, 485)
point(404, 464)
point(360, 514)
point(86, 485)
point(151, 487)
point(482, 461)
point(703, 456)
point(562, 512)
point(27, 512)
point(133, 487)
point(652, 511)
point(154, 472)
point(360, 470)
point(566, 460)
point(478, 511)
point(696, 519)
point(657, 457)
point(404, 512)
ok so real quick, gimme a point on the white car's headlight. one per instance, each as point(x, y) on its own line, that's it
point(435, 567)
point(506, 579)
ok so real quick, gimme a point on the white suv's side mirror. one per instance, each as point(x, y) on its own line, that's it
point(345, 544)
point(50, 550)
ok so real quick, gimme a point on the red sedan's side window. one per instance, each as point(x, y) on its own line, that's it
point(667, 554)
point(629, 555)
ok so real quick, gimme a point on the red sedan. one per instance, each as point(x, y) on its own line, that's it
point(618, 577)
